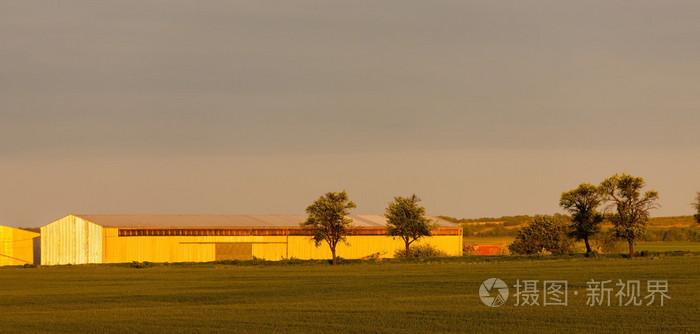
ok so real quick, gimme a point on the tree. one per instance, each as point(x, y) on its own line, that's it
point(544, 233)
point(696, 205)
point(582, 203)
point(631, 208)
point(405, 219)
point(327, 221)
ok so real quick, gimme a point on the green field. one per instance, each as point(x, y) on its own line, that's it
point(436, 295)
point(668, 246)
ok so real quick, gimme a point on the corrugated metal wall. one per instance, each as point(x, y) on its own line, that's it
point(202, 249)
point(184, 248)
point(71, 240)
point(302, 247)
point(16, 246)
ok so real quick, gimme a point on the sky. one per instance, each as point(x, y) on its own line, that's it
point(481, 108)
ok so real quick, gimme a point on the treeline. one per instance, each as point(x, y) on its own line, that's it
point(507, 220)
point(525, 219)
point(672, 221)
point(672, 234)
point(493, 226)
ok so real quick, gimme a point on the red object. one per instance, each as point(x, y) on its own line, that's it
point(484, 249)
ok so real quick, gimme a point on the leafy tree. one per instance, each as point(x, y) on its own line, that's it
point(582, 203)
point(327, 220)
point(405, 219)
point(696, 205)
point(631, 208)
point(545, 233)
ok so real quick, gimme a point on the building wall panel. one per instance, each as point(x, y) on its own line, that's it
point(203, 249)
point(183, 248)
point(75, 240)
point(16, 246)
point(71, 240)
point(303, 247)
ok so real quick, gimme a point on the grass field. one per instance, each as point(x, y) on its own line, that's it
point(438, 295)
point(668, 246)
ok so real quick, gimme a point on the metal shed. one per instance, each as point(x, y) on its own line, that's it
point(18, 247)
point(77, 239)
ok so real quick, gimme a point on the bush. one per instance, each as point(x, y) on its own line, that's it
point(420, 251)
point(592, 254)
point(141, 265)
point(227, 262)
point(606, 243)
point(654, 234)
point(546, 234)
point(675, 234)
point(693, 234)
point(682, 234)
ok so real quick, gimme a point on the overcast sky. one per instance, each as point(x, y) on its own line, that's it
point(482, 108)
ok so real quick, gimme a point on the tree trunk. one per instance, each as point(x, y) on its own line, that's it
point(631, 248)
point(588, 246)
point(408, 252)
point(333, 251)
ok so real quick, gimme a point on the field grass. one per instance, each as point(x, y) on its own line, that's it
point(435, 295)
point(668, 246)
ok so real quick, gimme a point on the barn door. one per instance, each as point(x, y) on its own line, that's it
point(234, 251)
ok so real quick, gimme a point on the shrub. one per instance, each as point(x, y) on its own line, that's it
point(593, 254)
point(546, 234)
point(141, 265)
point(420, 251)
point(228, 262)
point(654, 234)
point(693, 234)
point(675, 234)
point(606, 243)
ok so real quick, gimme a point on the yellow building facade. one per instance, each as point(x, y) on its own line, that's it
point(18, 247)
point(78, 239)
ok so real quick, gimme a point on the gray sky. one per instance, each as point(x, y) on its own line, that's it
point(482, 108)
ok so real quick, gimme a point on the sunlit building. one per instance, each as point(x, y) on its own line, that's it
point(18, 247)
point(78, 239)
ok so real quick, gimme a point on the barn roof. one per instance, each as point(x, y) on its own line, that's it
point(18, 231)
point(229, 220)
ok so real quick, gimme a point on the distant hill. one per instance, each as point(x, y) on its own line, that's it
point(505, 220)
point(524, 219)
point(672, 221)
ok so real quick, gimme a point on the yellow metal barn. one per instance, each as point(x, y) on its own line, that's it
point(18, 247)
point(78, 239)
